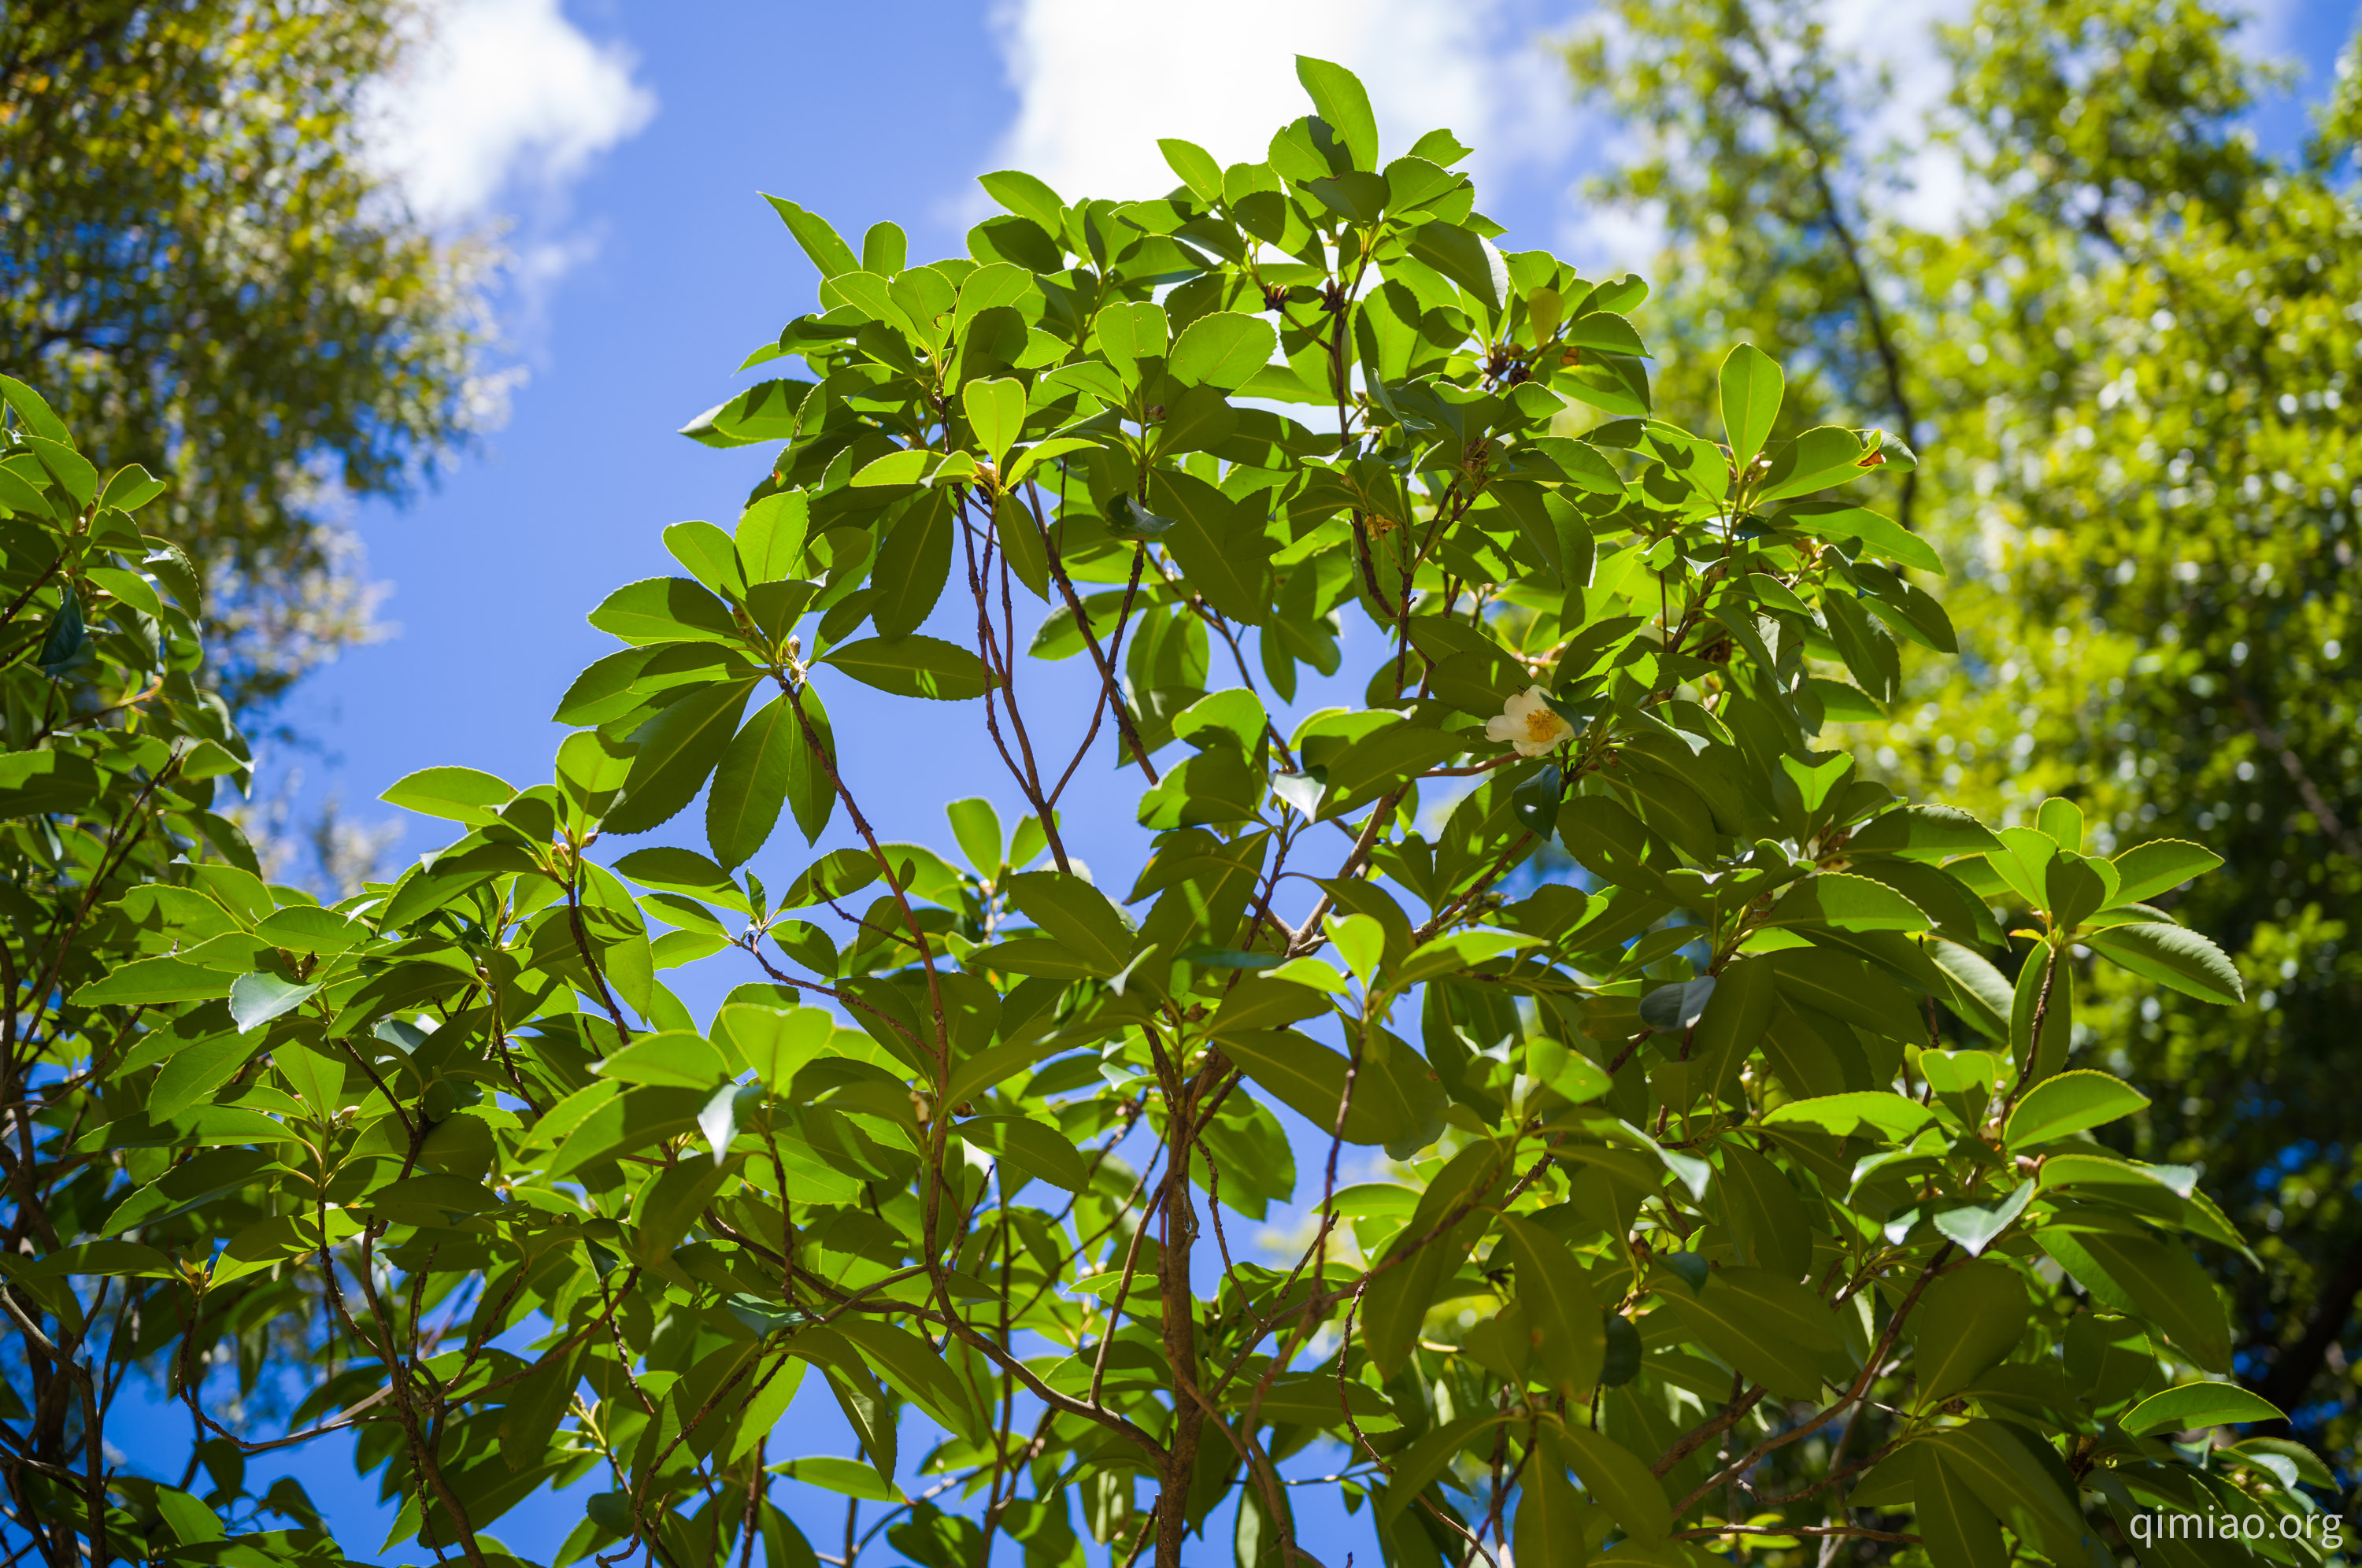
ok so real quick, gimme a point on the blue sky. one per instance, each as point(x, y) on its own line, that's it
point(625, 145)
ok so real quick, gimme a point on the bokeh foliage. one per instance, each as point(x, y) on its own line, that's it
point(202, 270)
point(2137, 344)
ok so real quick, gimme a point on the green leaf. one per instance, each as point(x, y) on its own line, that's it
point(775, 608)
point(2006, 1477)
point(1198, 168)
point(195, 1181)
point(678, 749)
point(711, 555)
point(2153, 1280)
point(2160, 865)
point(1960, 1530)
point(1618, 1479)
point(996, 413)
point(1982, 994)
point(1535, 802)
point(1214, 787)
point(255, 1000)
point(811, 793)
point(2042, 968)
point(1924, 833)
point(1734, 1017)
point(1966, 1321)
point(318, 1079)
point(2074, 888)
point(67, 635)
point(1846, 987)
point(1341, 100)
point(1824, 456)
point(670, 870)
point(2307, 1464)
point(1134, 524)
point(608, 1124)
point(827, 249)
point(770, 536)
point(1417, 1465)
point(1605, 331)
point(32, 410)
point(1466, 259)
point(456, 794)
point(301, 928)
point(150, 982)
point(1764, 1214)
point(1377, 762)
point(1551, 1516)
point(1284, 384)
point(1774, 1331)
point(845, 1477)
point(866, 1407)
point(669, 1056)
point(666, 608)
point(1873, 533)
point(70, 467)
point(913, 564)
point(913, 666)
point(1678, 1004)
point(87, 1259)
point(1891, 1114)
point(832, 876)
point(539, 1404)
point(884, 249)
point(976, 827)
point(988, 1068)
point(2195, 1405)
point(1751, 388)
point(129, 487)
point(1559, 1304)
point(1973, 1227)
point(750, 783)
point(2173, 956)
point(915, 1369)
point(1454, 952)
point(2062, 820)
point(1270, 1001)
point(1076, 915)
point(1027, 197)
point(196, 1072)
point(1031, 1148)
point(1222, 349)
point(1309, 1079)
point(1846, 902)
point(2068, 1103)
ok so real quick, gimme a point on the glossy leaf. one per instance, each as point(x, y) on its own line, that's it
point(2070, 1103)
point(913, 666)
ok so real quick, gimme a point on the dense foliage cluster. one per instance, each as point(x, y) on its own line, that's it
point(204, 271)
point(1737, 1199)
point(2140, 361)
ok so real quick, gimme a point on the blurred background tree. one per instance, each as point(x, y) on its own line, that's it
point(2131, 347)
point(200, 268)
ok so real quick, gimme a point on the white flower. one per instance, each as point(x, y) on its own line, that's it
point(1531, 723)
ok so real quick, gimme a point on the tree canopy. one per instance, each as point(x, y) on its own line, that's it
point(203, 271)
point(2137, 351)
point(1734, 1198)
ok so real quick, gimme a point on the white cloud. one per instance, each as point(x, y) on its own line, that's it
point(1899, 37)
point(499, 101)
point(1099, 81)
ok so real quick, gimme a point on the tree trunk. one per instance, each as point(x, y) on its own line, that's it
point(2295, 1367)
